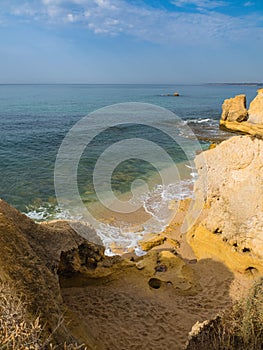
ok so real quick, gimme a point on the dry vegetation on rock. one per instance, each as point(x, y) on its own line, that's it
point(240, 328)
point(17, 330)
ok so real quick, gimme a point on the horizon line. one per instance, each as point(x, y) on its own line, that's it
point(209, 83)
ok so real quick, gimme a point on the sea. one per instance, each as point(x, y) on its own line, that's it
point(147, 123)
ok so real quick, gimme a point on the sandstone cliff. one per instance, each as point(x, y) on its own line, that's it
point(256, 109)
point(236, 118)
point(231, 185)
point(31, 258)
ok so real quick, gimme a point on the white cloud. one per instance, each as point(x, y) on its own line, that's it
point(104, 4)
point(249, 4)
point(70, 18)
point(201, 4)
point(111, 17)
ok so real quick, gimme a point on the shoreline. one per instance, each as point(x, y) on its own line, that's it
point(185, 280)
point(106, 215)
point(127, 229)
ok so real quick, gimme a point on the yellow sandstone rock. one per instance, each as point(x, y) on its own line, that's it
point(234, 109)
point(236, 118)
point(207, 245)
point(256, 109)
point(151, 240)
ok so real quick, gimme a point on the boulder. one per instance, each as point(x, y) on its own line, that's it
point(231, 185)
point(234, 109)
point(255, 111)
point(236, 118)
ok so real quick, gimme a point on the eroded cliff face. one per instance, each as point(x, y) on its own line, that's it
point(31, 258)
point(235, 117)
point(231, 185)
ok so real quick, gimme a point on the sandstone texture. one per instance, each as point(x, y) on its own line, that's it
point(236, 118)
point(31, 258)
point(230, 184)
point(256, 109)
point(234, 109)
point(151, 241)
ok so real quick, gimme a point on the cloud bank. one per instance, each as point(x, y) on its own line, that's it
point(203, 25)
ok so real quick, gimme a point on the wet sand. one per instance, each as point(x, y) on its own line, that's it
point(117, 218)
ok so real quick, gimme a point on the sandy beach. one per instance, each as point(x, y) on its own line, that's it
point(125, 311)
point(126, 314)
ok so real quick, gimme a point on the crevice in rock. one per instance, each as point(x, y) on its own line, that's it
point(251, 269)
point(218, 231)
point(246, 250)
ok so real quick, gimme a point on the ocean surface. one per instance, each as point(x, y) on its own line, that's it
point(34, 120)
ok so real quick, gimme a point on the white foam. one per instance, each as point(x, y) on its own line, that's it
point(155, 202)
point(200, 121)
point(48, 212)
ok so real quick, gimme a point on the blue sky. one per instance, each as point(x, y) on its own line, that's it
point(136, 41)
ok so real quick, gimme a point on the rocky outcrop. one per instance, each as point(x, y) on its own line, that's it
point(242, 128)
point(151, 241)
point(231, 185)
point(31, 258)
point(63, 276)
point(256, 109)
point(204, 335)
point(236, 118)
point(234, 109)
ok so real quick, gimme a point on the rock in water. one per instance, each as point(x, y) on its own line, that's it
point(234, 109)
point(256, 109)
point(236, 118)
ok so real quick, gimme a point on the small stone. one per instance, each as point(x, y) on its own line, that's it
point(161, 268)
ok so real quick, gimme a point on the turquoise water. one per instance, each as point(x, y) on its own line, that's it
point(34, 120)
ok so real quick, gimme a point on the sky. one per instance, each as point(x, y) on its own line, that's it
point(135, 41)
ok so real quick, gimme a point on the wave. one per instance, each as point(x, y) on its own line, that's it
point(48, 212)
point(155, 202)
point(201, 120)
